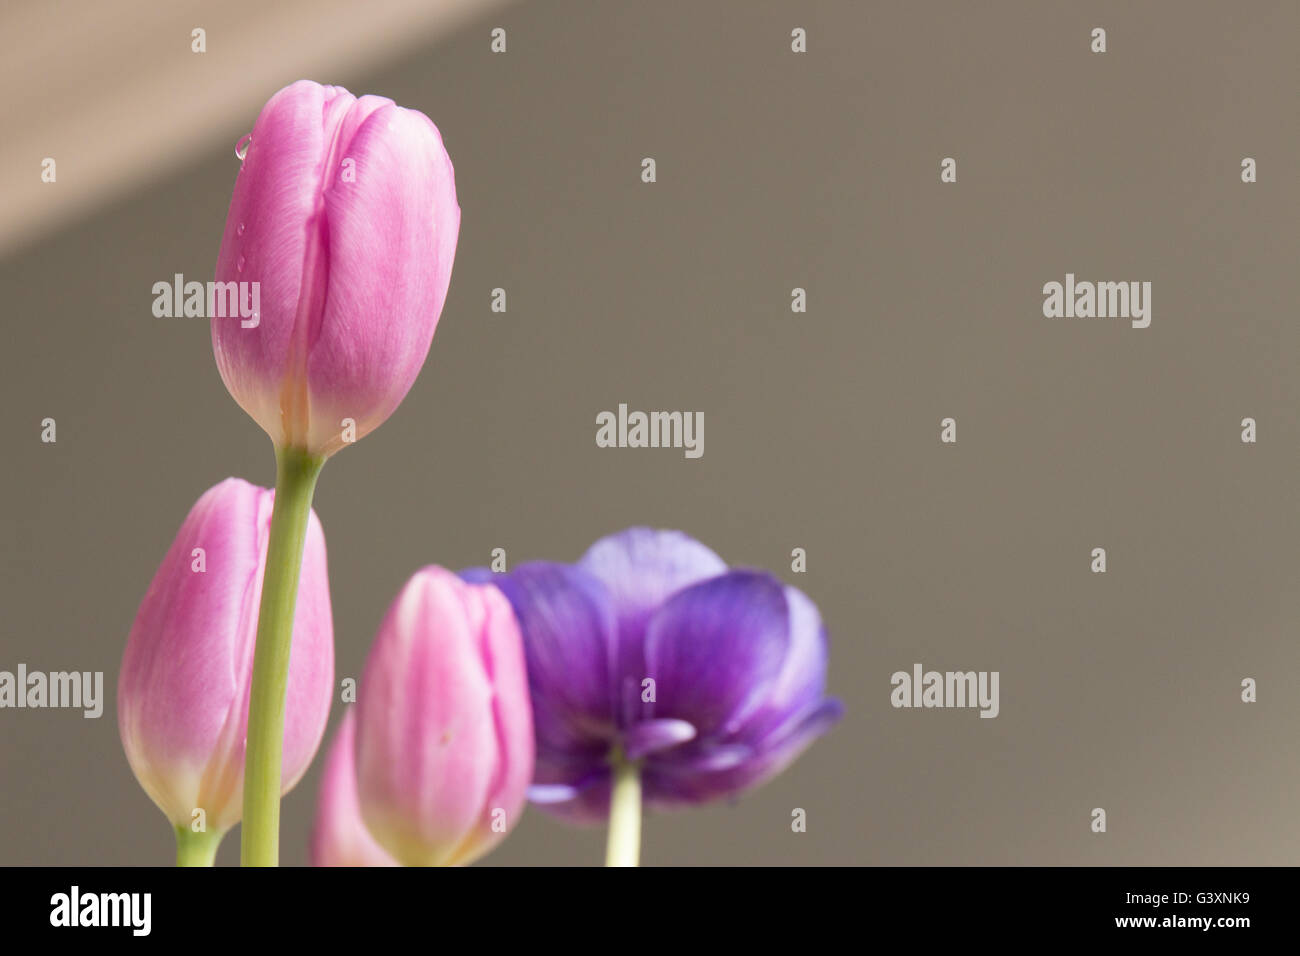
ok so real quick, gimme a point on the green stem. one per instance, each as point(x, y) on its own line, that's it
point(624, 845)
point(196, 849)
point(295, 481)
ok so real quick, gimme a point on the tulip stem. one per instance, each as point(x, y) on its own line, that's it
point(196, 849)
point(624, 845)
point(295, 482)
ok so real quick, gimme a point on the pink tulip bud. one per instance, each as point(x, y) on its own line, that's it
point(340, 837)
point(345, 214)
point(182, 697)
point(444, 723)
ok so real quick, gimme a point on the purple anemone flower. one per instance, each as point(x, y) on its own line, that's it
point(649, 648)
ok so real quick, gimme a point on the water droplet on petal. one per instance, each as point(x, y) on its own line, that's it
point(239, 266)
point(241, 148)
point(239, 230)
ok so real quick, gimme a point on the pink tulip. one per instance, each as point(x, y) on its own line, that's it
point(182, 697)
point(345, 214)
point(340, 837)
point(444, 723)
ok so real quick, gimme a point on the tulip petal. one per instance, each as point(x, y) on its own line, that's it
point(444, 729)
point(512, 720)
point(344, 214)
point(423, 724)
point(190, 643)
point(187, 669)
point(339, 835)
point(392, 231)
point(270, 229)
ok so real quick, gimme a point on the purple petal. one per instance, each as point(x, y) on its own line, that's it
point(583, 805)
point(568, 628)
point(711, 758)
point(802, 681)
point(641, 568)
point(545, 793)
point(716, 650)
point(652, 736)
point(803, 728)
point(672, 783)
point(478, 575)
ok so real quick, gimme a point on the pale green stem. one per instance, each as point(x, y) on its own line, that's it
point(624, 846)
point(295, 481)
point(196, 849)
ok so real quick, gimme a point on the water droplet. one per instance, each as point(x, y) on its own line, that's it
point(239, 230)
point(241, 148)
point(239, 266)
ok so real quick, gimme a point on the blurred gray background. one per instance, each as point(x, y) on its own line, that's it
point(775, 170)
